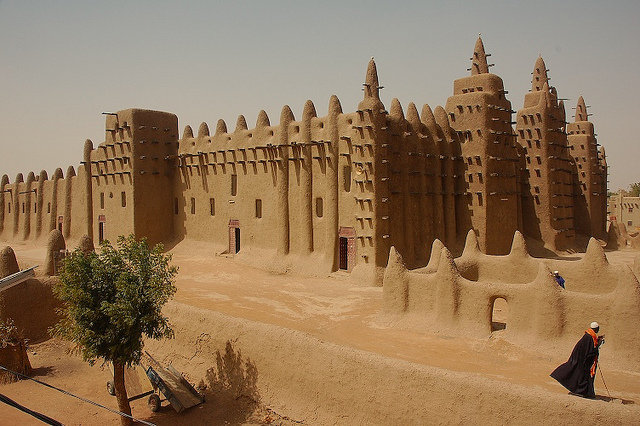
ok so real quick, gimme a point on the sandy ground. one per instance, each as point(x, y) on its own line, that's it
point(331, 309)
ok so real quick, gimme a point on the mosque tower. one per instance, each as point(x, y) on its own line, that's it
point(481, 116)
point(547, 195)
point(591, 181)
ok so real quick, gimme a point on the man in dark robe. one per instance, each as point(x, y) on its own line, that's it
point(578, 374)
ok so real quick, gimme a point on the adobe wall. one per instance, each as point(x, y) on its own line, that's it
point(632, 239)
point(31, 304)
point(34, 207)
point(297, 176)
point(316, 382)
point(456, 296)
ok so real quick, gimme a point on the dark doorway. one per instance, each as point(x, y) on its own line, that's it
point(344, 249)
point(100, 232)
point(347, 248)
point(234, 236)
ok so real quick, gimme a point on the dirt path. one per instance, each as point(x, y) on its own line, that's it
point(331, 309)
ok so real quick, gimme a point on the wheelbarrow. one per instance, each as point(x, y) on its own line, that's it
point(160, 382)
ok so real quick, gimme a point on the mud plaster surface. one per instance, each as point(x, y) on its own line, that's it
point(327, 317)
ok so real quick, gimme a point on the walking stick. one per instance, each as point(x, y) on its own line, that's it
point(605, 383)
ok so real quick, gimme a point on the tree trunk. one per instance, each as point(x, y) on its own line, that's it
point(121, 393)
point(14, 357)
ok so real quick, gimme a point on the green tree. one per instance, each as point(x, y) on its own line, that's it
point(634, 189)
point(112, 301)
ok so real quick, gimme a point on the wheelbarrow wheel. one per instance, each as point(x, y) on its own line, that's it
point(111, 388)
point(154, 402)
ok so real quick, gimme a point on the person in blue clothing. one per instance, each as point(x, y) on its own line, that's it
point(558, 278)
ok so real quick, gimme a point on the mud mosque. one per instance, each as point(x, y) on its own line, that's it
point(335, 192)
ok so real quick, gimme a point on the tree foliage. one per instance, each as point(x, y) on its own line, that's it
point(114, 299)
point(634, 189)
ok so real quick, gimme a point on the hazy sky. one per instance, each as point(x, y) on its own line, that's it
point(63, 63)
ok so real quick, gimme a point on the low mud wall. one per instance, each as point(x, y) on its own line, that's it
point(32, 306)
point(321, 383)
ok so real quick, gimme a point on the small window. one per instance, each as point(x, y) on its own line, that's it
point(319, 207)
point(258, 208)
point(212, 206)
point(630, 223)
point(101, 200)
point(123, 196)
point(193, 205)
point(22, 207)
point(479, 199)
point(35, 207)
point(234, 185)
point(470, 178)
point(48, 207)
point(175, 206)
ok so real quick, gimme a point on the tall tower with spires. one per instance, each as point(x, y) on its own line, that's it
point(480, 114)
point(591, 179)
point(547, 191)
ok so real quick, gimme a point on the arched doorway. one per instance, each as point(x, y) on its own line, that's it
point(499, 314)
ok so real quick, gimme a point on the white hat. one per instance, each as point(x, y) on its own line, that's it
point(595, 325)
point(555, 272)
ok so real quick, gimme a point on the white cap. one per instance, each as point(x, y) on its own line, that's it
point(595, 325)
point(555, 272)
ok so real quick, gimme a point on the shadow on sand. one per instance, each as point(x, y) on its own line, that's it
point(615, 400)
point(231, 395)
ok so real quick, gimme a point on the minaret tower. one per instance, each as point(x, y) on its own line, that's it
point(591, 180)
point(368, 153)
point(481, 116)
point(547, 185)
